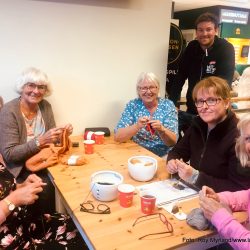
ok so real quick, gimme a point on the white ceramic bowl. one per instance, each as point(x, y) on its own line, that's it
point(104, 185)
point(142, 168)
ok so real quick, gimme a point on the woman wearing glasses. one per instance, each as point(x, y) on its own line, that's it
point(26, 126)
point(149, 120)
point(209, 143)
point(218, 207)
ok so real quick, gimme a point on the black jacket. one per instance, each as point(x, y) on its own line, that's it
point(213, 155)
point(196, 64)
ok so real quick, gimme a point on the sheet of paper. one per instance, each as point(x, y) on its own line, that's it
point(165, 192)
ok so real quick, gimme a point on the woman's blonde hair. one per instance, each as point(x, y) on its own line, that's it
point(240, 148)
point(33, 75)
point(219, 85)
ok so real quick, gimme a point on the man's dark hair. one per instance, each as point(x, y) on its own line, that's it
point(207, 17)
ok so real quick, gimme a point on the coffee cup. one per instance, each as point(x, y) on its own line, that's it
point(99, 137)
point(126, 194)
point(89, 146)
point(147, 203)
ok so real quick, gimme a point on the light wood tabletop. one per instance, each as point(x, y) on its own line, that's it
point(115, 231)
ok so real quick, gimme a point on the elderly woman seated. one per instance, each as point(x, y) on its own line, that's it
point(27, 125)
point(149, 120)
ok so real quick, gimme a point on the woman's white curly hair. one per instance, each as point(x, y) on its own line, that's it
point(33, 75)
point(147, 76)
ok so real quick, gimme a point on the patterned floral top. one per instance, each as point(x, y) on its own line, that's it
point(166, 113)
point(23, 230)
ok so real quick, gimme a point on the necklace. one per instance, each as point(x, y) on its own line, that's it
point(30, 124)
point(29, 121)
point(27, 113)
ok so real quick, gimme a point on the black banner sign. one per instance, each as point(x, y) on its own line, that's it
point(175, 49)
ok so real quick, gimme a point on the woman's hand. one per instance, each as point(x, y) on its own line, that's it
point(210, 202)
point(185, 171)
point(209, 206)
point(51, 136)
point(32, 178)
point(142, 122)
point(210, 193)
point(69, 128)
point(172, 167)
point(27, 194)
point(156, 125)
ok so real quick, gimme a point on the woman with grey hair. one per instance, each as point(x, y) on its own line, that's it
point(149, 120)
point(26, 126)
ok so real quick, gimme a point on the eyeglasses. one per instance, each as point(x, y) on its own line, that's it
point(163, 219)
point(247, 139)
point(150, 88)
point(209, 102)
point(88, 207)
point(33, 86)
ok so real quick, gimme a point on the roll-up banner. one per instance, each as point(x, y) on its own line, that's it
point(175, 49)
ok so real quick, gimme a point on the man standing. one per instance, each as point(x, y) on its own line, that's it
point(208, 55)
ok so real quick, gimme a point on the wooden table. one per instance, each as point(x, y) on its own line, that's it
point(115, 231)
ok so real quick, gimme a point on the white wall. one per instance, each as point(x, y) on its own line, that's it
point(92, 51)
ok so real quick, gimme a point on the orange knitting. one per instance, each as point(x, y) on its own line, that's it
point(52, 155)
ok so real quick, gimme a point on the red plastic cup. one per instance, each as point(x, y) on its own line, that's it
point(99, 137)
point(126, 194)
point(148, 203)
point(89, 146)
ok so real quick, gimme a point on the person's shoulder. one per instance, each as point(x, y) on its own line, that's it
point(192, 44)
point(166, 101)
point(12, 104)
point(45, 106)
point(232, 118)
point(192, 48)
point(134, 103)
point(228, 127)
point(44, 103)
point(198, 123)
point(223, 42)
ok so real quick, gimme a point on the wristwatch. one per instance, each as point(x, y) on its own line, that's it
point(10, 205)
point(37, 142)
